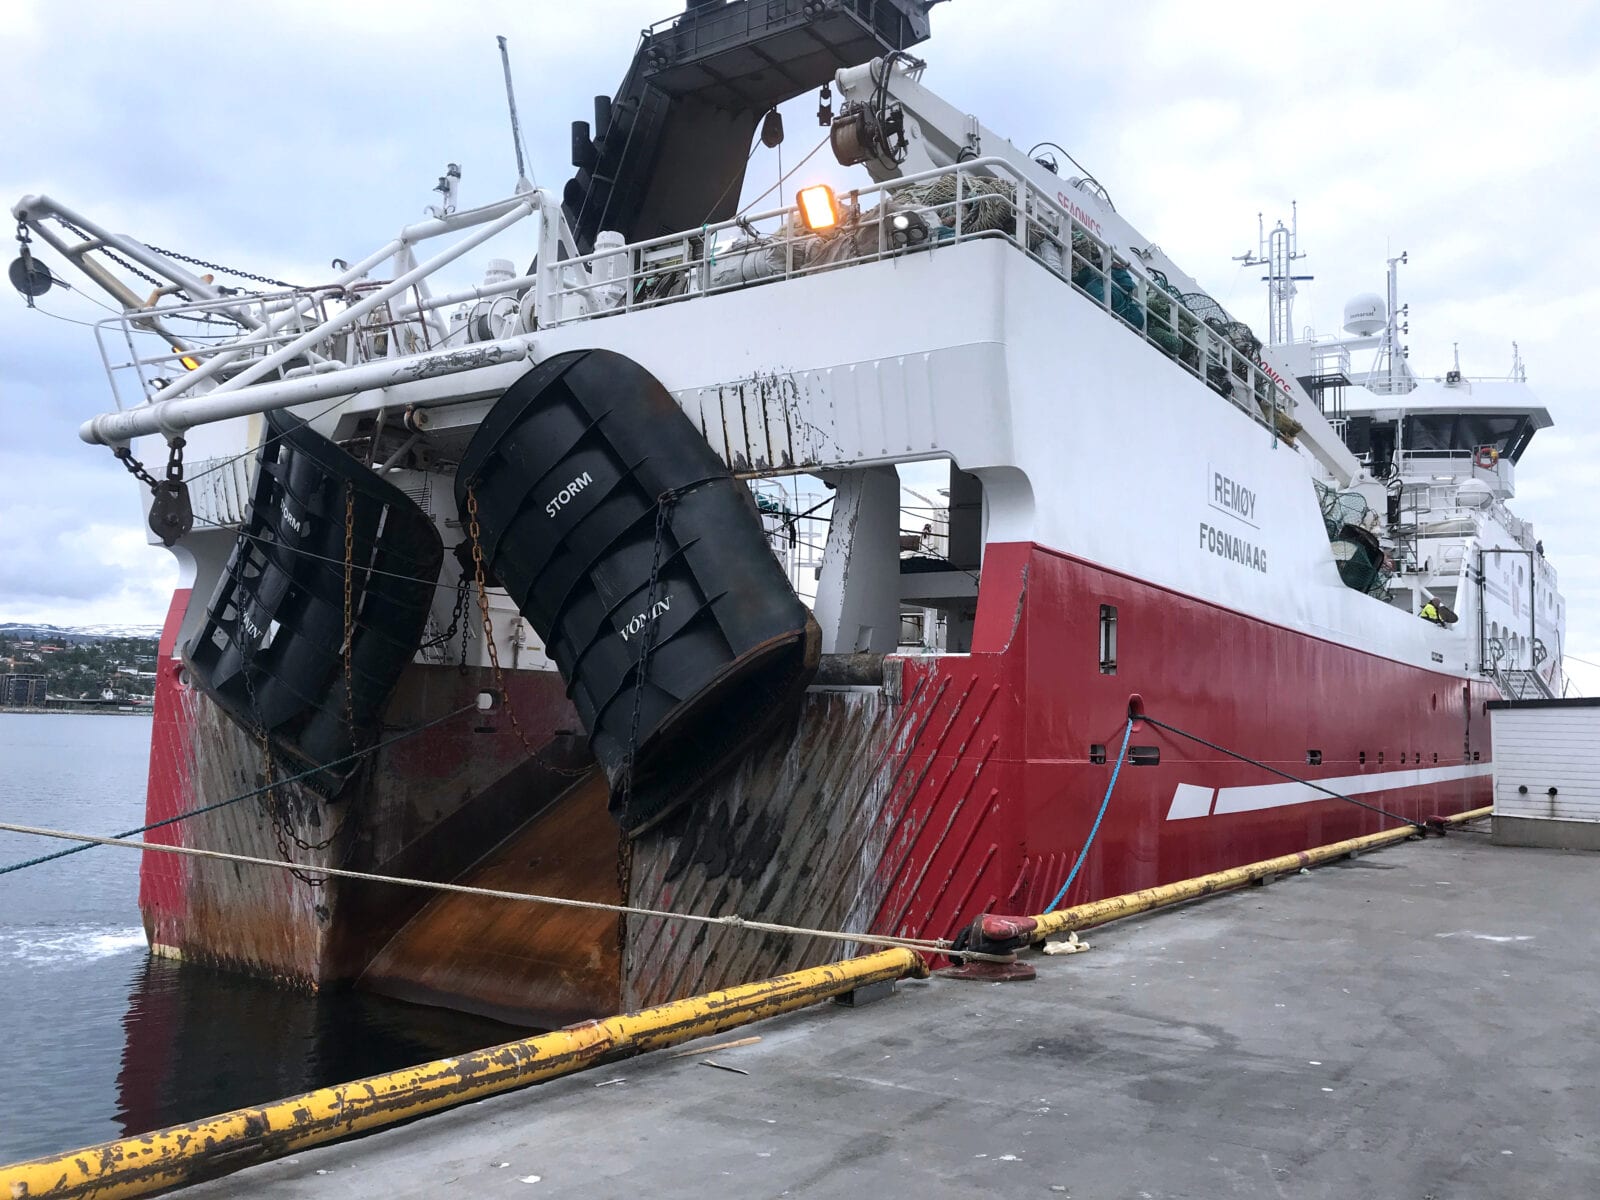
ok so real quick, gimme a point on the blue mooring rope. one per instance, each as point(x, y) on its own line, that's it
point(1100, 816)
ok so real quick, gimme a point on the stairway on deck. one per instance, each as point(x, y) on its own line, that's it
point(1524, 685)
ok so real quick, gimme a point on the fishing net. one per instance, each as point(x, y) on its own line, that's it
point(1340, 508)
point(985, 204)
point(1362, 563)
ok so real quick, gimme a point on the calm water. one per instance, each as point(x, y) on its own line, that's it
point(97, 1039)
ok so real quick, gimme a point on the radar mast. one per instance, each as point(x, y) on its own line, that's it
point(1277, 251)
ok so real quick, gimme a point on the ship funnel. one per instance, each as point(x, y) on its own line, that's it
point(1365, 314)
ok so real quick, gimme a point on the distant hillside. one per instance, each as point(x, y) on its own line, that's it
point(76, 633)
point(91, 662)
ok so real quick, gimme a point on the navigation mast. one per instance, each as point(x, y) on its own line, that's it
point(1277, 251)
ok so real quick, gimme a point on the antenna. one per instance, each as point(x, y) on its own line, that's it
point(1276, 251)
point(1392, 353)
point(523, 183)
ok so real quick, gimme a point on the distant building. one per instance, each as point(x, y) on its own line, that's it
point(22, 691)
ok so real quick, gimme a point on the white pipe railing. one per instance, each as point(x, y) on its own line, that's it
point(1037, 218)
point(568, 286)
point(360, 309)
point(171, 417)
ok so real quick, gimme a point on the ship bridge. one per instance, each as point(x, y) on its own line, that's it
point(1448, 430)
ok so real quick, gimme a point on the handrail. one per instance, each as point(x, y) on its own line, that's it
point(989, 199)
point(682, 265)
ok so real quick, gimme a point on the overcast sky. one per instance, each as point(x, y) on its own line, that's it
point(279, 136)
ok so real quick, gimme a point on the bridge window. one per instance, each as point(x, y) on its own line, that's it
point(1441, 434)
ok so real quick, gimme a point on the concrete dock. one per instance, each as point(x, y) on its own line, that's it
point(1419, 1023)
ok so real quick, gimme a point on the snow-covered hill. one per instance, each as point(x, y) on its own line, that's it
point(76, 633)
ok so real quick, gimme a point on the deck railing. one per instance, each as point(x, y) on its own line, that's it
point(304, 341)
point(920, 213)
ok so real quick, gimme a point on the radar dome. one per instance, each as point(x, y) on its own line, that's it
point(1365, 314)
point(1473, 493)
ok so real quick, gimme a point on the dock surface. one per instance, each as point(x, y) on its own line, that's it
point(1420, 1023)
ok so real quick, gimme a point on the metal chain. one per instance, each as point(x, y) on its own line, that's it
point(473, 532)
point(24, 250)
point(349, 614)
point(124, 455)
point(624, 896)
point(456, 613)
point(173, 254)
point(234, 272)
point(113, 255)
point(174, 472)
point(664, 505)
point(276, 810)
point(271, 803)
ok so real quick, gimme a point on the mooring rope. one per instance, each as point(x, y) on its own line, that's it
point(266, 787)
point(1127, 733)
point(733, 921)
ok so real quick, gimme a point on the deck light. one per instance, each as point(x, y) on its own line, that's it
point(819, 207)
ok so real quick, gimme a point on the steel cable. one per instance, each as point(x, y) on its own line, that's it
point(732, 921)
point(195, 812)
point(1194, 737)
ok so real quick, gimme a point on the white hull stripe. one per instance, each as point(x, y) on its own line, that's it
point(1191, 800)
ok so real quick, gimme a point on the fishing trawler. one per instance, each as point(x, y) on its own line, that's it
point(869, 562)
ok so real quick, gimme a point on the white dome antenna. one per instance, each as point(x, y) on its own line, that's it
point(1365, 314)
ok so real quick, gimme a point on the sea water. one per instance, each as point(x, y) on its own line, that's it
point(97, 1039)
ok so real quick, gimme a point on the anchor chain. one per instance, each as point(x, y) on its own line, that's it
point(111, 254)
point(664, 505)
point(455, 625)
point(271, 803)
point(232, 272)
point(349, 614)
point(474, 534)
point(171, 514)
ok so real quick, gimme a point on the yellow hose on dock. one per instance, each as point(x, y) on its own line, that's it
point(153, 1162)
point(1098, 912)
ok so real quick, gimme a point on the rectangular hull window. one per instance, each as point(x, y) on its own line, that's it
point(1108, 639)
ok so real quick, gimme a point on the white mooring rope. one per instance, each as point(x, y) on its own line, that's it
point(926, 945)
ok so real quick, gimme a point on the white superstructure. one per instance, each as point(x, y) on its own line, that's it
point(1041, 386)
point(1439, 457)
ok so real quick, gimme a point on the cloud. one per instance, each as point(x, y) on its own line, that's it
point(301, 131)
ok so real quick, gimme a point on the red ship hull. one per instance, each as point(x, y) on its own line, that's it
point(967, 783)
point(1007, 793)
